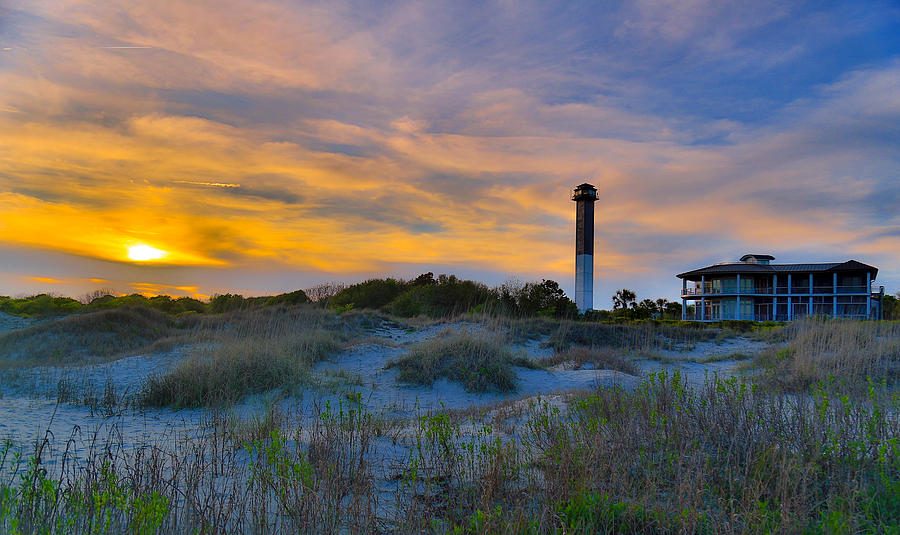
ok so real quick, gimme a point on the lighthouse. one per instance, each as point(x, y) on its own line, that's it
point(584, 197)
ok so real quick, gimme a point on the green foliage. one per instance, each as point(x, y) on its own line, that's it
point(372, 294)
point(446, 296)
point(437, 297)
point(623, 299)
point(890, 307)
point(442, 297)
point(45, 305)
point(626, 305)
point(162, 303)
point(544, 299)
point(102, 505)
point(39, 305)
point(321, 483)
point(595, 513)
point(219, 304)
point(297, 297)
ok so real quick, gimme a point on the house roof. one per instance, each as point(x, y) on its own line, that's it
point(757, 256)
point(742, 267)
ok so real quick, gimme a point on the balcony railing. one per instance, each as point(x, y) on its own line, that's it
point(766, 317)
point(762, 290)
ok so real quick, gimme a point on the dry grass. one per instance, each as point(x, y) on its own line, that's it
point(643, 336)
point(480, 361)
point(92, 336)
point(601, 358)
point(816, 350)
point(252, 351)
point(660, 459)
point(729, 457)
point(726, 458)
point(254, 477)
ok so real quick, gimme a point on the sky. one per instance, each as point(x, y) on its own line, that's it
point(199, 147)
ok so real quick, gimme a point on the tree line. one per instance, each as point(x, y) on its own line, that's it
point(424, 295)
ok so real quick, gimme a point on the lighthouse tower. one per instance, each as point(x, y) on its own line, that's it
point(584, 197)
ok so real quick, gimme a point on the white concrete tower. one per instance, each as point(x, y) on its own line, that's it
point(584, 197)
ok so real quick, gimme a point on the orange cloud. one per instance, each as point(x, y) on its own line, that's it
point(252, 134)
point(48, 280)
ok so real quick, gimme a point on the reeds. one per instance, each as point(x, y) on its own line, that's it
point(814, 350)
point(663, 458)
point(640, 336)
point(730, 457)
point(300, 479)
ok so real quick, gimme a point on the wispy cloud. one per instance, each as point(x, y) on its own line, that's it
point(210, 184)
point(329, 139)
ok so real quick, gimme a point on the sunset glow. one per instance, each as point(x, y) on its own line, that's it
point(269, 145)
point(143, 253)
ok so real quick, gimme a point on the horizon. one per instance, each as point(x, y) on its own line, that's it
point(201, 148)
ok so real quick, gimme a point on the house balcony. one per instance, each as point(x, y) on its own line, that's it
point(763, 290)
point(766, 317)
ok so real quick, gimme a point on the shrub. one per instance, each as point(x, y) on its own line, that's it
point(297, 297)
point(727, 457)
point(226, 303)
point(445, 296)
point(372, 294)
point(39, 305)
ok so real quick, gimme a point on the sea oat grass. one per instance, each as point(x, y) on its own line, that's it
point(600, 358)
point(814, 350)
point(229, 371)
point(637, 336)
point(252, 351)
point(480, 361)
point(662, 458)
point(102, 334)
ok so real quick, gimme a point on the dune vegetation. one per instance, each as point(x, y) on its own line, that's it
point(480, 361)
point(604, 358)
point(815, 350)
point(101, 334)
point(249, 352)
point(806, 440)
point(664, 458)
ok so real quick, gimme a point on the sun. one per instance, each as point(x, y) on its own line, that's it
point(143, 253)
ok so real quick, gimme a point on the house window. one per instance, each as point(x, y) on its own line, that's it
point(800, 284)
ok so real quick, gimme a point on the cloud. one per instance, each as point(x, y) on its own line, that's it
point(328, 139)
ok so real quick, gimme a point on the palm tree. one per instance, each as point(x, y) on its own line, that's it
point(623, 298)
